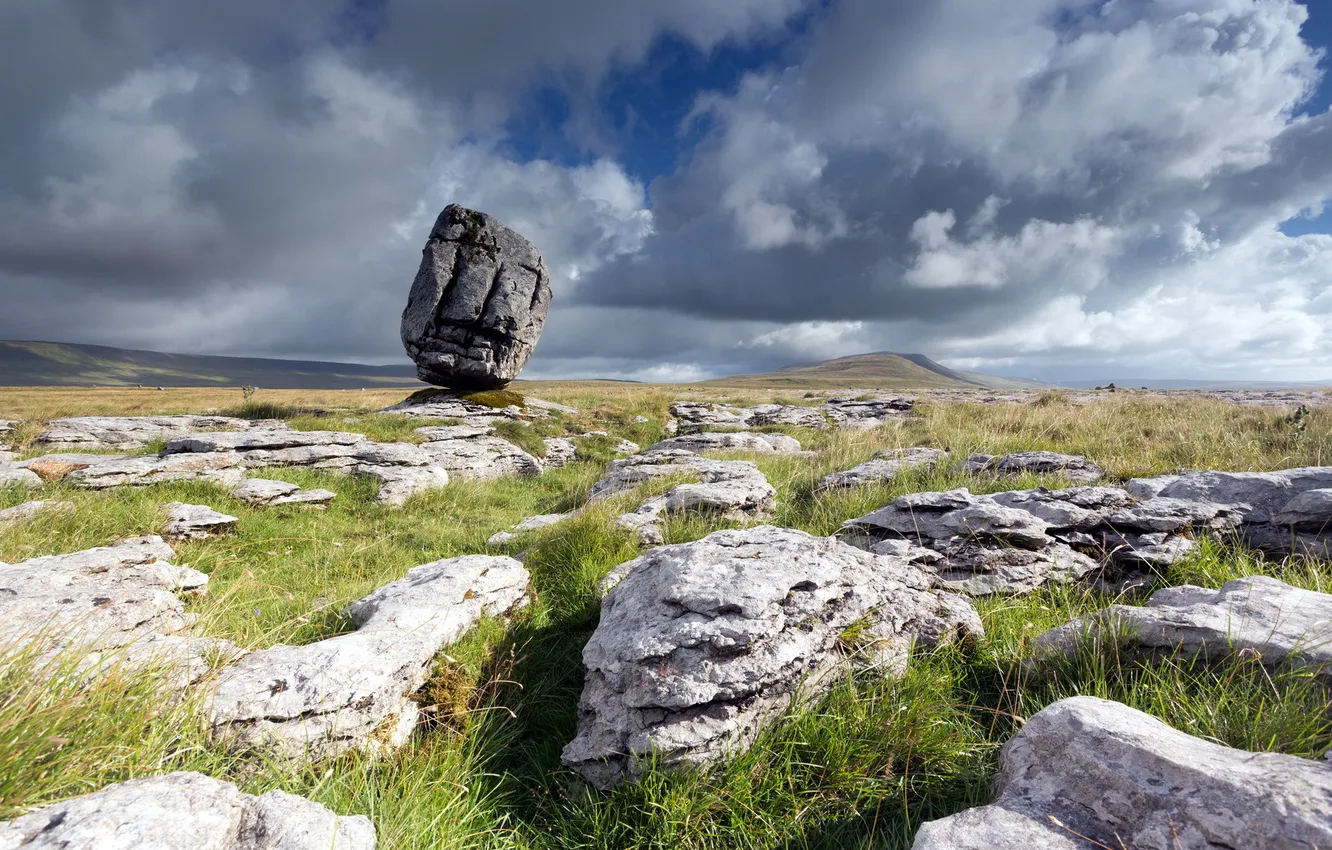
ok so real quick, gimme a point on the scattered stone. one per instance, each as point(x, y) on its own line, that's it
point(263, 491)
point(113, 605)
point(478, 303)
point(692, 417)
point(531, 523)
point(476, 457)
point(865, 414)
point(186, 811)
point(352, 692)
point(397, 484)
point(120, 432)
point(28, 510)
point(13, 475)
point(641, 420)
point(560, 452)
point(884, 466)
point(548, 406)
point(702, 644)
point(1256, 615)
point(54, 467)
point(1072, 467)
point(1015, 541)
point(195, 522)
point(222, 468)
point(1086, 772)
point(6, 425)
point(743, 441)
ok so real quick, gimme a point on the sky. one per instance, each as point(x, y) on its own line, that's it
point(1055, 189)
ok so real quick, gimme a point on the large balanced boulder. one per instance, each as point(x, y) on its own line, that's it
point(478, 303)
point(701, 644)
point(186, 811)
point(1086, 773)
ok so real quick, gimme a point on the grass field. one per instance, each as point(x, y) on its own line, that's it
point(860, 767)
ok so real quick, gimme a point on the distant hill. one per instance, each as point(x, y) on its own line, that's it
point(28, 364)
point(881, 369)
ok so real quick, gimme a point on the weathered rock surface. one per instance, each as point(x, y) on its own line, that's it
point(531, 523)
point(13, 475)
point(354, 691)
point(57, 466)
point(560, 452)
point(733, 489)
point(119, 432)
point(112, 604)
point(28, 510)
point(397, 484)
point(864, 414)
point(691, 417)
point(1015, 541)
point(701, 644)
point(1260, 615)
point(742, 441)
point(222, 468)
point(476, 457)
point(447, 405)
point(264, 491)
point(478, 303)
point(1087, 770)
point(6, 426)
point(884, 466)
point(195, 522)
point(185, 811)
point(1071, 467)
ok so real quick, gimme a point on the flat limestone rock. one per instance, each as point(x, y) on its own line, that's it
point(700, 645)
point(264, 491)
point(884, 466)
point(1262, 615)
point(14, 475)
point(186, 811)
point(732, 442)
point(118, 432)
point(866, 413)
point(560, 452)
point(56, 466)
point(1072, 467)
point(1091, 767)
point(480, 458)
point(397, 484)
point(353, 691)
point(114, 605)
point(478, 302)
point(222, 468)
point(531, 523)
point(28, 510)
point(692, 417)
point(195, 522)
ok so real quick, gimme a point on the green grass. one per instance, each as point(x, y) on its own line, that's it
point(858, 767)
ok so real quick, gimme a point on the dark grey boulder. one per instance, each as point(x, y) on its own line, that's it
point(478, 303)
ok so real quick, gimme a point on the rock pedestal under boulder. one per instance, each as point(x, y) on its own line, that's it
point(353, 691)
point(701, 644)
point(478, 303)
point(186, 811)
point(1085, 773)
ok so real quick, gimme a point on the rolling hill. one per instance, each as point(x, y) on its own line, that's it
point(29, 364)
point(881, 369)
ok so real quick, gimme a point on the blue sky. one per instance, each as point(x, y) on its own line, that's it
point(1050, 188)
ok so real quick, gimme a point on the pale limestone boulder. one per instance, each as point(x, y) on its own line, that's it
point(121, 432)
point(742, 441)
point(884, 466)
point(195, 522)
point(28, 510)
point(265, 492)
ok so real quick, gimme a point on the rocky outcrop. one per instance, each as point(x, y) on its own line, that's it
point(221, 468)
point(478, 303)
point(1070, 467)
point(1015, 541)
point(731, 442)
point(732, 489)
point(560, 452)
point(266, 492)
point(195, 522)
point(531, 523)
point(692, 417)
point(701, 644)
point(353, 691)
point(884, 466)
point(123, 432)
point(1087, 772)
point(1258, 616)
point(474, 454)
point(186, 811)
point(112, 605)
point(866, 413)
point(28, 510)
point(57, 466)
point(14, 475)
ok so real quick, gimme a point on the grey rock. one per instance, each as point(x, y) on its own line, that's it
point(434, 433)
point(1086, 770)
point(195, 522)
point(13, 475)
point(1265, 493)
point(481, 458)
point(977, 463)
point(691, 417)
point(863, 414)
point(786, 414)
point(108, 606)
point(353, 692)
point(57, 466)
point(478, 303)
point(28, 510)
point(1312, 508)
point(1071, 467)
point(702, 644)
point(185, 811)
point(884, 466)
point(397, 484)
point(263, 491)
point(560, 452)
point(531, 523)
point(447, 405)
point(222, 468)
point(731, 441)
point(116, 432)
point(1257, 615)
